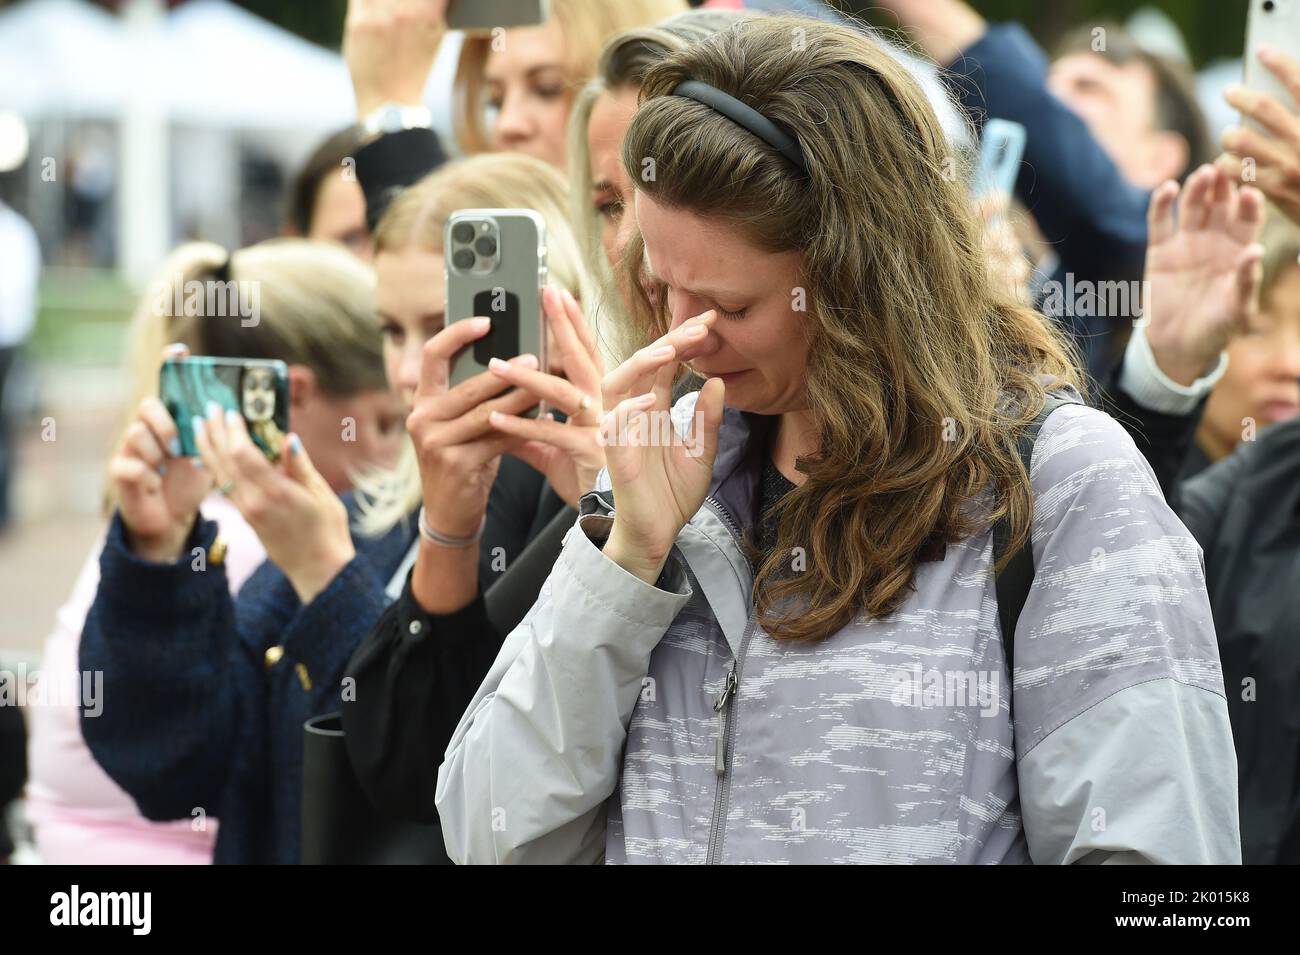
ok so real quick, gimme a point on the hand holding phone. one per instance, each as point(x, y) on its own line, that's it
point(389, 47)
point(297, 516)
point(1265, 150)
point(1002, 147)
point(481, 16)
point(157, 490)
point(1271, 24)
point(457, 449)
point(570, 453)
point(257, 389)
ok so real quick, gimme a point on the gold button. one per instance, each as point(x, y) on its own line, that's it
point(303, 678)
point(217, 555)
point(273, 655)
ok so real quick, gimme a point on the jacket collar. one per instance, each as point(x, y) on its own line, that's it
point(742, 441)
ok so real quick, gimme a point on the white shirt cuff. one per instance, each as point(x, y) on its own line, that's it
point(1144, 382)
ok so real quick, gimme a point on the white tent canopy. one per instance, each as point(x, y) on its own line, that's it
point(233, 69)
point(185, 85)
point(61, 56)
point(209, 63)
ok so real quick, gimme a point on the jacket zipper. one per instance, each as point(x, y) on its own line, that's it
point(723, 705)
point(720, 707)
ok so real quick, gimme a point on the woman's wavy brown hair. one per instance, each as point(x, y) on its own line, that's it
point(921, 374)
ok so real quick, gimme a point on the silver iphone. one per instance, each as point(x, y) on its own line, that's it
point(496, 267)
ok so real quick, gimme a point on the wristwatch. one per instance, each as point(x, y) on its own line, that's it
point(393, 118)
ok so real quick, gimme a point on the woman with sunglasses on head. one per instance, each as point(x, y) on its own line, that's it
point(774, 635)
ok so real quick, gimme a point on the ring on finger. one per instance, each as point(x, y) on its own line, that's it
point(226, 487)
point(584, 404)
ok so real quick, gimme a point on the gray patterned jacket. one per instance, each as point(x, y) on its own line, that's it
point(633, 723)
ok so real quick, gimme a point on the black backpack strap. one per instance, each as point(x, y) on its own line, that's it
point(1017, 576)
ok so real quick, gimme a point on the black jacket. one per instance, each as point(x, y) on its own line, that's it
point(416, 672)
point(1244, 511)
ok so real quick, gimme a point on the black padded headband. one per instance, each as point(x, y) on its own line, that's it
point(744, 116)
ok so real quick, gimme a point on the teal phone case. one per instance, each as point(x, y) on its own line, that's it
point(256, 388)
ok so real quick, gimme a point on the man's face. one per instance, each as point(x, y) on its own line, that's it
point(1118, 105)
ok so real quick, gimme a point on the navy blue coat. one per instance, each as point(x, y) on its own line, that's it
point(1094, 218)
point(195, 716)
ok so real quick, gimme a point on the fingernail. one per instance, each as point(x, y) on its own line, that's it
point(1266, 52)
point(295, 444)
point(647, 399)
point(176, 348)
point(162, 469)
point(232, 417)
point(496, 364)
point(198, 425)
point(662, 352)
point(495, 416)
point(695, 331)
point(526, 361)
point(198, 465)
point(174, 447)
point(482, 324)
point(213, 410)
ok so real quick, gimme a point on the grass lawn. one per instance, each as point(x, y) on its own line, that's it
point(82, 317)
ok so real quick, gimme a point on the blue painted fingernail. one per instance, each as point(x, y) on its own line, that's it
point(295, 444)
point(214, 409)
point(198, 465)
point(174, 447)
point(232, 416)
point(162, 469)
point(198, 424)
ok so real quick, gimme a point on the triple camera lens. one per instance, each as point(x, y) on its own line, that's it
point(473, 241)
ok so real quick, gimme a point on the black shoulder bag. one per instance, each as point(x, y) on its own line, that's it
point(1017, 576)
